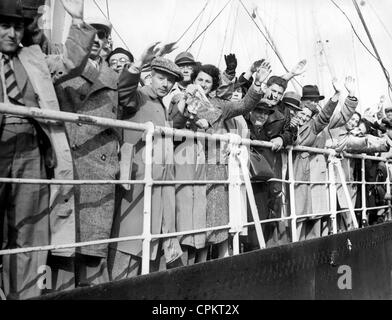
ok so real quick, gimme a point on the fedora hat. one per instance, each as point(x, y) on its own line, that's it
point(30, 7)
point(11, 9)
point(292, 100)
point(311, 92)
point(265, 107)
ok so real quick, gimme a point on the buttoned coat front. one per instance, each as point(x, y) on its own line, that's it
point(94, 151)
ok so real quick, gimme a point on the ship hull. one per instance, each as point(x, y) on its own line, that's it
point(351, 265)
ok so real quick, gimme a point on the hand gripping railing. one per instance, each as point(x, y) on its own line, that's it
point(237, 165)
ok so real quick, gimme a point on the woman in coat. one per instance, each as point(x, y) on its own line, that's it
point(215, 116)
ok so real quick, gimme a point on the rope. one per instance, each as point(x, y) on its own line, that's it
point(114, 29)
point(386, 73)
point(197, 17)
point(205, 29)
point(355, 31)
point(269, 40)
point(379, 19)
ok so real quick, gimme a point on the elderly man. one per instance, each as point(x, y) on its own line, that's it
point(35, 149)
point(147, 105)
point(119, 58)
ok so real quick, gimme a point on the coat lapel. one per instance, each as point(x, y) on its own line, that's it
point(103, 78)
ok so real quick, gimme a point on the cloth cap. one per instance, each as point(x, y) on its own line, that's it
point(292, 100)
point(100, 23)
point(184, 58)
point(167, 66)
point(123, 51)
point(311, 92)
point(265, 107)
point(146, 67)
point(388, 109)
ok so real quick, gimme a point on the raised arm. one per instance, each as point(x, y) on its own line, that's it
point(340, 118)
point(71, 62)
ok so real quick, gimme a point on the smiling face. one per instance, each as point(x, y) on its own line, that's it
point(118, 61)
point(259, 117)
point(353, 122)
point(205, 81)
point(100, 40)
point(186, 70)
point(162, 83)
point(304, 116)
point(11, 34)
point(274, 93)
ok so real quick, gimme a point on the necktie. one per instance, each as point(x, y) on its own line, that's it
point(13, 92)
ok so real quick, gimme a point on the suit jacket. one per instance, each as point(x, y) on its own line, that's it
point(40, 73)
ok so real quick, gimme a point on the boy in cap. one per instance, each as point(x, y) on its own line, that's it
point(125, 257)
point(36, 215)
point(119, 58)
point(186, 62)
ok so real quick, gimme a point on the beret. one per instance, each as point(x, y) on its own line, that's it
point(167, 66)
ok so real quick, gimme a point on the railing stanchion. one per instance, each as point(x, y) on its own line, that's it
point(293, 214)
point(332, 195)
point(388, 189)
point(147, 200)
point(363, 191)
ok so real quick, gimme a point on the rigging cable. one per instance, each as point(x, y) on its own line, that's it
point(225, 36)
point(114, 29)
point(190, 26)
point(379, 19)
point(205, 29)
point(386, 73)
point(355, 31)
point(268, 41)
point(265, 37)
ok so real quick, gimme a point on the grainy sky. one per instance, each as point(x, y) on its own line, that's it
point(311, 29)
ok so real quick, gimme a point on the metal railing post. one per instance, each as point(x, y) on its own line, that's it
point(363, 191)
point(293, 214)
point(332, 194)
point(388, 190)
point(346, 192)
point(235, 202)
point(147, 199)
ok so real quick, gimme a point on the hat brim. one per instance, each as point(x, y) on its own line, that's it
point(269, 111)
point(182, 62)
point(292, 106)
point(176, 75)
point(319, 98)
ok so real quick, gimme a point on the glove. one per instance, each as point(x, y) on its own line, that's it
point(231, 64)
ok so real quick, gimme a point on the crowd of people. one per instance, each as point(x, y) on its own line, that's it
point(85, 76)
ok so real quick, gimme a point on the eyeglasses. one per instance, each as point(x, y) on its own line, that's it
point(122, 60)
point(102, 34)
point(187, 67)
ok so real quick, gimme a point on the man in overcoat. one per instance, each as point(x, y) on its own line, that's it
point(147, 105)
point(35, 215)
point(95, 154)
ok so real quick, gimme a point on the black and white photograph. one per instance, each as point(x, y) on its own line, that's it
point(195, 154)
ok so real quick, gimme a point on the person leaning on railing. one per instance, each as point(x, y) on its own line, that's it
point(214, 115)
point(310, 122)
point(36, 214)
point(145, 105)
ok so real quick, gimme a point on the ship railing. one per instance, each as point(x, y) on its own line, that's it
point(238, 175)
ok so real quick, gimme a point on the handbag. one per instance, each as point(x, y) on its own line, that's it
point(259, 168)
